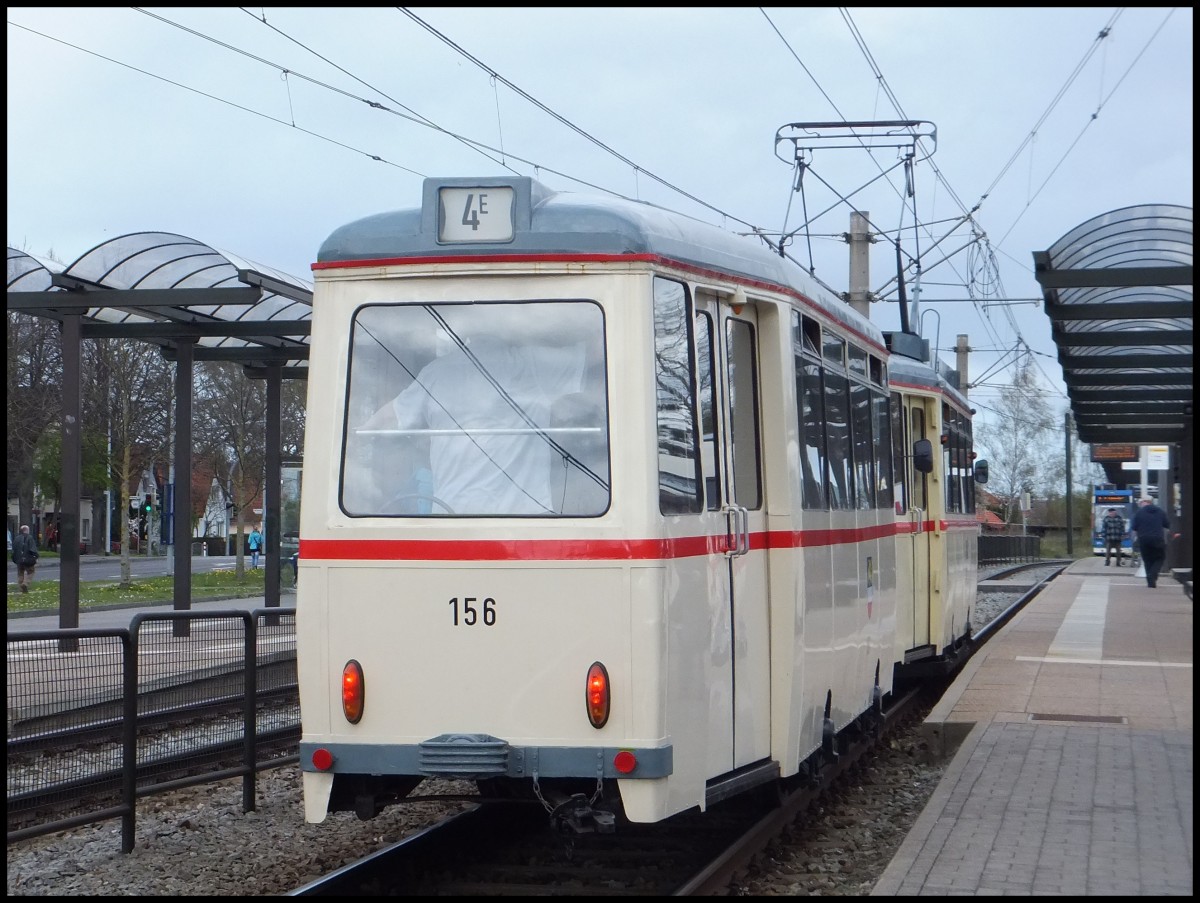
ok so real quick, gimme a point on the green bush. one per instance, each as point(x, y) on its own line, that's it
point(1054, 545)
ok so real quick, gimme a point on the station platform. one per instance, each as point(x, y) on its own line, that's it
point(1074, 771)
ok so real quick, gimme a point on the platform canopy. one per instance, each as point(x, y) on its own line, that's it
point(196, 303)
point(164, 288)
point(1118, 291)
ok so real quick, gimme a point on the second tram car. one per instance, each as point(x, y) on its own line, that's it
point(613, 510)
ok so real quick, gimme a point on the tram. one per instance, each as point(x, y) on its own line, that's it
point(608, 509)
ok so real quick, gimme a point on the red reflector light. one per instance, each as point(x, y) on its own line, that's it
point(322, 759)
point(625, 761)
point(597, 695)
point(352, 691)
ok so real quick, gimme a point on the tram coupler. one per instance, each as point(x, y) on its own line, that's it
point(876, 717)
point(829, 745)
point(578, 816)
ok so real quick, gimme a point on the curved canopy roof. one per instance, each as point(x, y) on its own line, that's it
point(29, 273)
point(1118, 291)
point(164, 288)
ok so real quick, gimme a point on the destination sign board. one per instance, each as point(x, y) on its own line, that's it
point(1110, 452)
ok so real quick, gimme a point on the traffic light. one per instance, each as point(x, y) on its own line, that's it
point(148, 504)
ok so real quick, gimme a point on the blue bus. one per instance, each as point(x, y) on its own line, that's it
point(1103, 498)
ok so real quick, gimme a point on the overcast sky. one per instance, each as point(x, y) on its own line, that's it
point(256, 137)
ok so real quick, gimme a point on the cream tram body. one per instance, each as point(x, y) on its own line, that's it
point(937, 537)
point(643, 599)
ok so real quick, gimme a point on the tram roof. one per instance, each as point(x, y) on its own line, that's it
point(1118, 291)
point(162, 288)
point(929, 375)
point(560, 222)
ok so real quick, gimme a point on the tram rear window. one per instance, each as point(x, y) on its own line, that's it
point(488, 409)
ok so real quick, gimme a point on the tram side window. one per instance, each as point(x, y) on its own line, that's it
point(960, 462)
point(482, 409)
point(899, 458)
point(863, 463)
point(863, 447)
point(949, 466)
point(810, 413)
point(960, 488)
point(708, 411)
point(680, 477)
point(809, 397)
point(969, 467)
point(881, 428)
point(837, 428)
point(919, 483)
point(744, 451)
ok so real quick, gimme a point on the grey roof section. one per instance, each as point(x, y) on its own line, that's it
point(903, 369)
point(575, 223)
point(1118, 291)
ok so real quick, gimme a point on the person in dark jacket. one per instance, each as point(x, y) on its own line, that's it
point(1150, 526)
point(1113, 527)
point(25, 557)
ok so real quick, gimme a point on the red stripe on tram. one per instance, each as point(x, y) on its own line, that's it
point(576, 549)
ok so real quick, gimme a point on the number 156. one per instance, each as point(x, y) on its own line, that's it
point(467, 613)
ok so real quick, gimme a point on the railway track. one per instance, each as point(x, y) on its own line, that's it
point(728, 835)
point(83, 747)
point(505, 852)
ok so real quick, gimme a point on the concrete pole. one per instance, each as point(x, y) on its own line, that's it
point(961, 350)
point(859, 295)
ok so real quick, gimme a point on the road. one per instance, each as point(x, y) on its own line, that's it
point(97, 567)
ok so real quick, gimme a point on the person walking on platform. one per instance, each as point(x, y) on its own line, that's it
point(1113, 526)
point(1150, 526)
point(25, 557)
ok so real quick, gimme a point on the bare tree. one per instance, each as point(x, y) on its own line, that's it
point(32, 405)
point(141, 393)
point(232, 421)
point(293, 399)
point(1023, 453)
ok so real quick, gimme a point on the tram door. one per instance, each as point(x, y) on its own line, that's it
point(728, 349)
point(920, 529)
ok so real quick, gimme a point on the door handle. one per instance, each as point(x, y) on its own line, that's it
point(739, 530)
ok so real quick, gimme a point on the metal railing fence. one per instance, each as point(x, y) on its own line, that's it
point(998, 549)
point(98, 718)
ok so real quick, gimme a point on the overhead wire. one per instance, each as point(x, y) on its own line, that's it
point(408, 115)
point(209, 96)
point(1091, 119)
point(988, 249)
point(842, 199)
point(915, 260)
point(940, 178)
point(641, 170)
point(881, 81)
point(485, 149)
